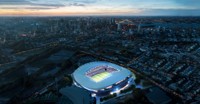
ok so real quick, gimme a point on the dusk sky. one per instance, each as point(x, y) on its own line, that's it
point(100, 7)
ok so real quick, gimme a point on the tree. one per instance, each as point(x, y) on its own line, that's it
point(66, 64)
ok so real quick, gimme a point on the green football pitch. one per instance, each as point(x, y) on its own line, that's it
point(101, 76)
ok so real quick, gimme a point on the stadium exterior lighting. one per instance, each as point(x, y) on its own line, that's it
point(102, 78)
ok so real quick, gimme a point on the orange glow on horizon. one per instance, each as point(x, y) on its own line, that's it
point(64, 12)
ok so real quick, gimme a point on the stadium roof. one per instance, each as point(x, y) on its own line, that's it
point(99, 80)
point(126, 21)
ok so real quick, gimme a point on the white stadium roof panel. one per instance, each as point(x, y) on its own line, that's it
point(99, 75)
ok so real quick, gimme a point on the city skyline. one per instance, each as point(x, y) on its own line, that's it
point(99, 7)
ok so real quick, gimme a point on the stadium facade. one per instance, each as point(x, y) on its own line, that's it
point(103, 78)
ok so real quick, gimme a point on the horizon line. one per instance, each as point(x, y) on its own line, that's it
point(100, 16)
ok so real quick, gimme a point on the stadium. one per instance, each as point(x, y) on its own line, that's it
point(103, 78)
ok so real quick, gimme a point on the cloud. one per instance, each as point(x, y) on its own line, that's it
point(49, 3)
point(76, 4)
point(147, 7)
point(193, 4)
point(188, 2)
point(63, 2)
point(13, 2)
point(41, 4)
point(83, 1)
point(171, 12)
point(27, 7)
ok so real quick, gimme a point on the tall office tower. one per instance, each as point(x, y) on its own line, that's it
point(139, 27)
point(119, 26)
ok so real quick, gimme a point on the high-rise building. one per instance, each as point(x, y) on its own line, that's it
point(119, 27)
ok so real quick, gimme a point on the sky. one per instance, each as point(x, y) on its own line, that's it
point(99, 7)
